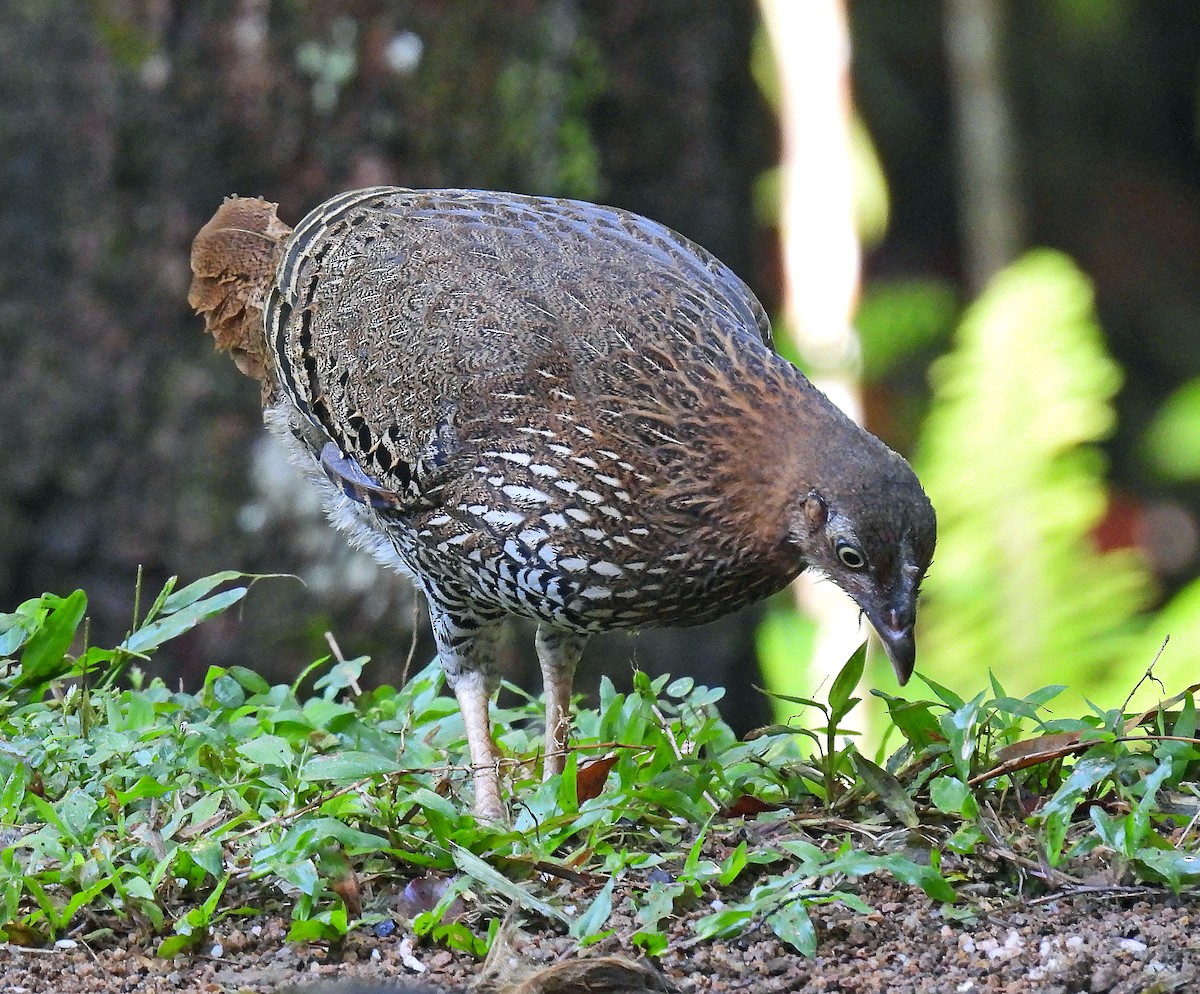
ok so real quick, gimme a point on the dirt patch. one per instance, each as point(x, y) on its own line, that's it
point(1103, 942)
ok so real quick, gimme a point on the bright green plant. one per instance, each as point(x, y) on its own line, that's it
point(173, 811)
point(1172, 446)
point(1009, 457)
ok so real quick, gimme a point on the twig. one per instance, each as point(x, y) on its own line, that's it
point(1148, 675)
point(1108, 890)
point(285, 816)
point(412, 642)
point(1188, 829)
point(666, 727)
point(337, 654)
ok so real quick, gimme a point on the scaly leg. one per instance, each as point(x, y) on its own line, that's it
point(467, 651)
point(558, 652)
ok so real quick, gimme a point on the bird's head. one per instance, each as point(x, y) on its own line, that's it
point(871, 529)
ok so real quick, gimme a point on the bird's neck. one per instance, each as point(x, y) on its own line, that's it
point(788, 441)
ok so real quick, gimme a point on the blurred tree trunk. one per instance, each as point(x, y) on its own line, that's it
point(820, 248)
point(122, 126)
point(990, 214)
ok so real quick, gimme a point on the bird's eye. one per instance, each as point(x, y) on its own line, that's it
point(851, 557)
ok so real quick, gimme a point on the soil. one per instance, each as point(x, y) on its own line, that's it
point(1099, 940)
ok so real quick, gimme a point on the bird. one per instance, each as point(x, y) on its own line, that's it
point(556, 410)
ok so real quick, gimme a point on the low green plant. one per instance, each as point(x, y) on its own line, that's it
point(170, 811)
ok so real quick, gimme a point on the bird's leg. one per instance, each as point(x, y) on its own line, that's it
point(466, 649)
point(474, 694)
point(558, 652)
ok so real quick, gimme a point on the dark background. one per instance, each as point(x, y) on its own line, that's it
point(127, 442)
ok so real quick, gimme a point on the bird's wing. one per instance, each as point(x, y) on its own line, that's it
point(411, 326)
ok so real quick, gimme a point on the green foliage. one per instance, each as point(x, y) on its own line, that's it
point(897, 319)
point(1173, 439)
point(1102, 768)
point(555, 151)
point(332, 65)
point(174, 811)
point(784, 636)
point(1009, 459)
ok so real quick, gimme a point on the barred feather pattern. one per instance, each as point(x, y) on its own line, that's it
point(553, 405)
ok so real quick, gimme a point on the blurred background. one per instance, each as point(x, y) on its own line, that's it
point(1008, 194)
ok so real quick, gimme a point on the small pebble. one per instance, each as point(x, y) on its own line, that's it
point(407, 957)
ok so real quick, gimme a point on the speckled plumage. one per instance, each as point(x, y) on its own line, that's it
point(557, 410)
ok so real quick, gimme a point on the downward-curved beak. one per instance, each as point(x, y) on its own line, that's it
point(894, 626)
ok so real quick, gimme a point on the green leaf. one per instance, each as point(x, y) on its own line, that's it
point(890, 790)
point(209, 907)
point(456, 935)
point(13, 793)
point(659, 903)
point(316, 834)
point(305, 930)
point(348, 766)
point(919, 875)
point(268, 750)
point(343, 675)
point(43, 657)
point(174, 945)
point(159, 601)
point(190, 594)
point(250, 681)
point(724, 924)
point(681, 687)
point(587, 927)
point(897, 318)
point(226, 692)
point(75, 811)
point(172, 626)
point(952, 796)
point(961, 729)
point(1173, 438)
point(840, 702)
point(792, 925)
point(653, 944)
point(732, 865)
point(1146, 807)
point(1176, 868)
point(1056, 813)
point(1020, 582)
point(130, 712)
point(301, 874)
point(209, 854)
point(16, 628)
point(494, 880)
point(915, 719)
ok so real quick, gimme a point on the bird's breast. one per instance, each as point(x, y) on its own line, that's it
point(585, 538)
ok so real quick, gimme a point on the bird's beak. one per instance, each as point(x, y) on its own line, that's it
point(894, 626)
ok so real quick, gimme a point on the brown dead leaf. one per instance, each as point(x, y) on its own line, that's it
point(1166, 705)
point(344, 883)
point(1029, 752)
point(589, 779)
point(747, 806)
